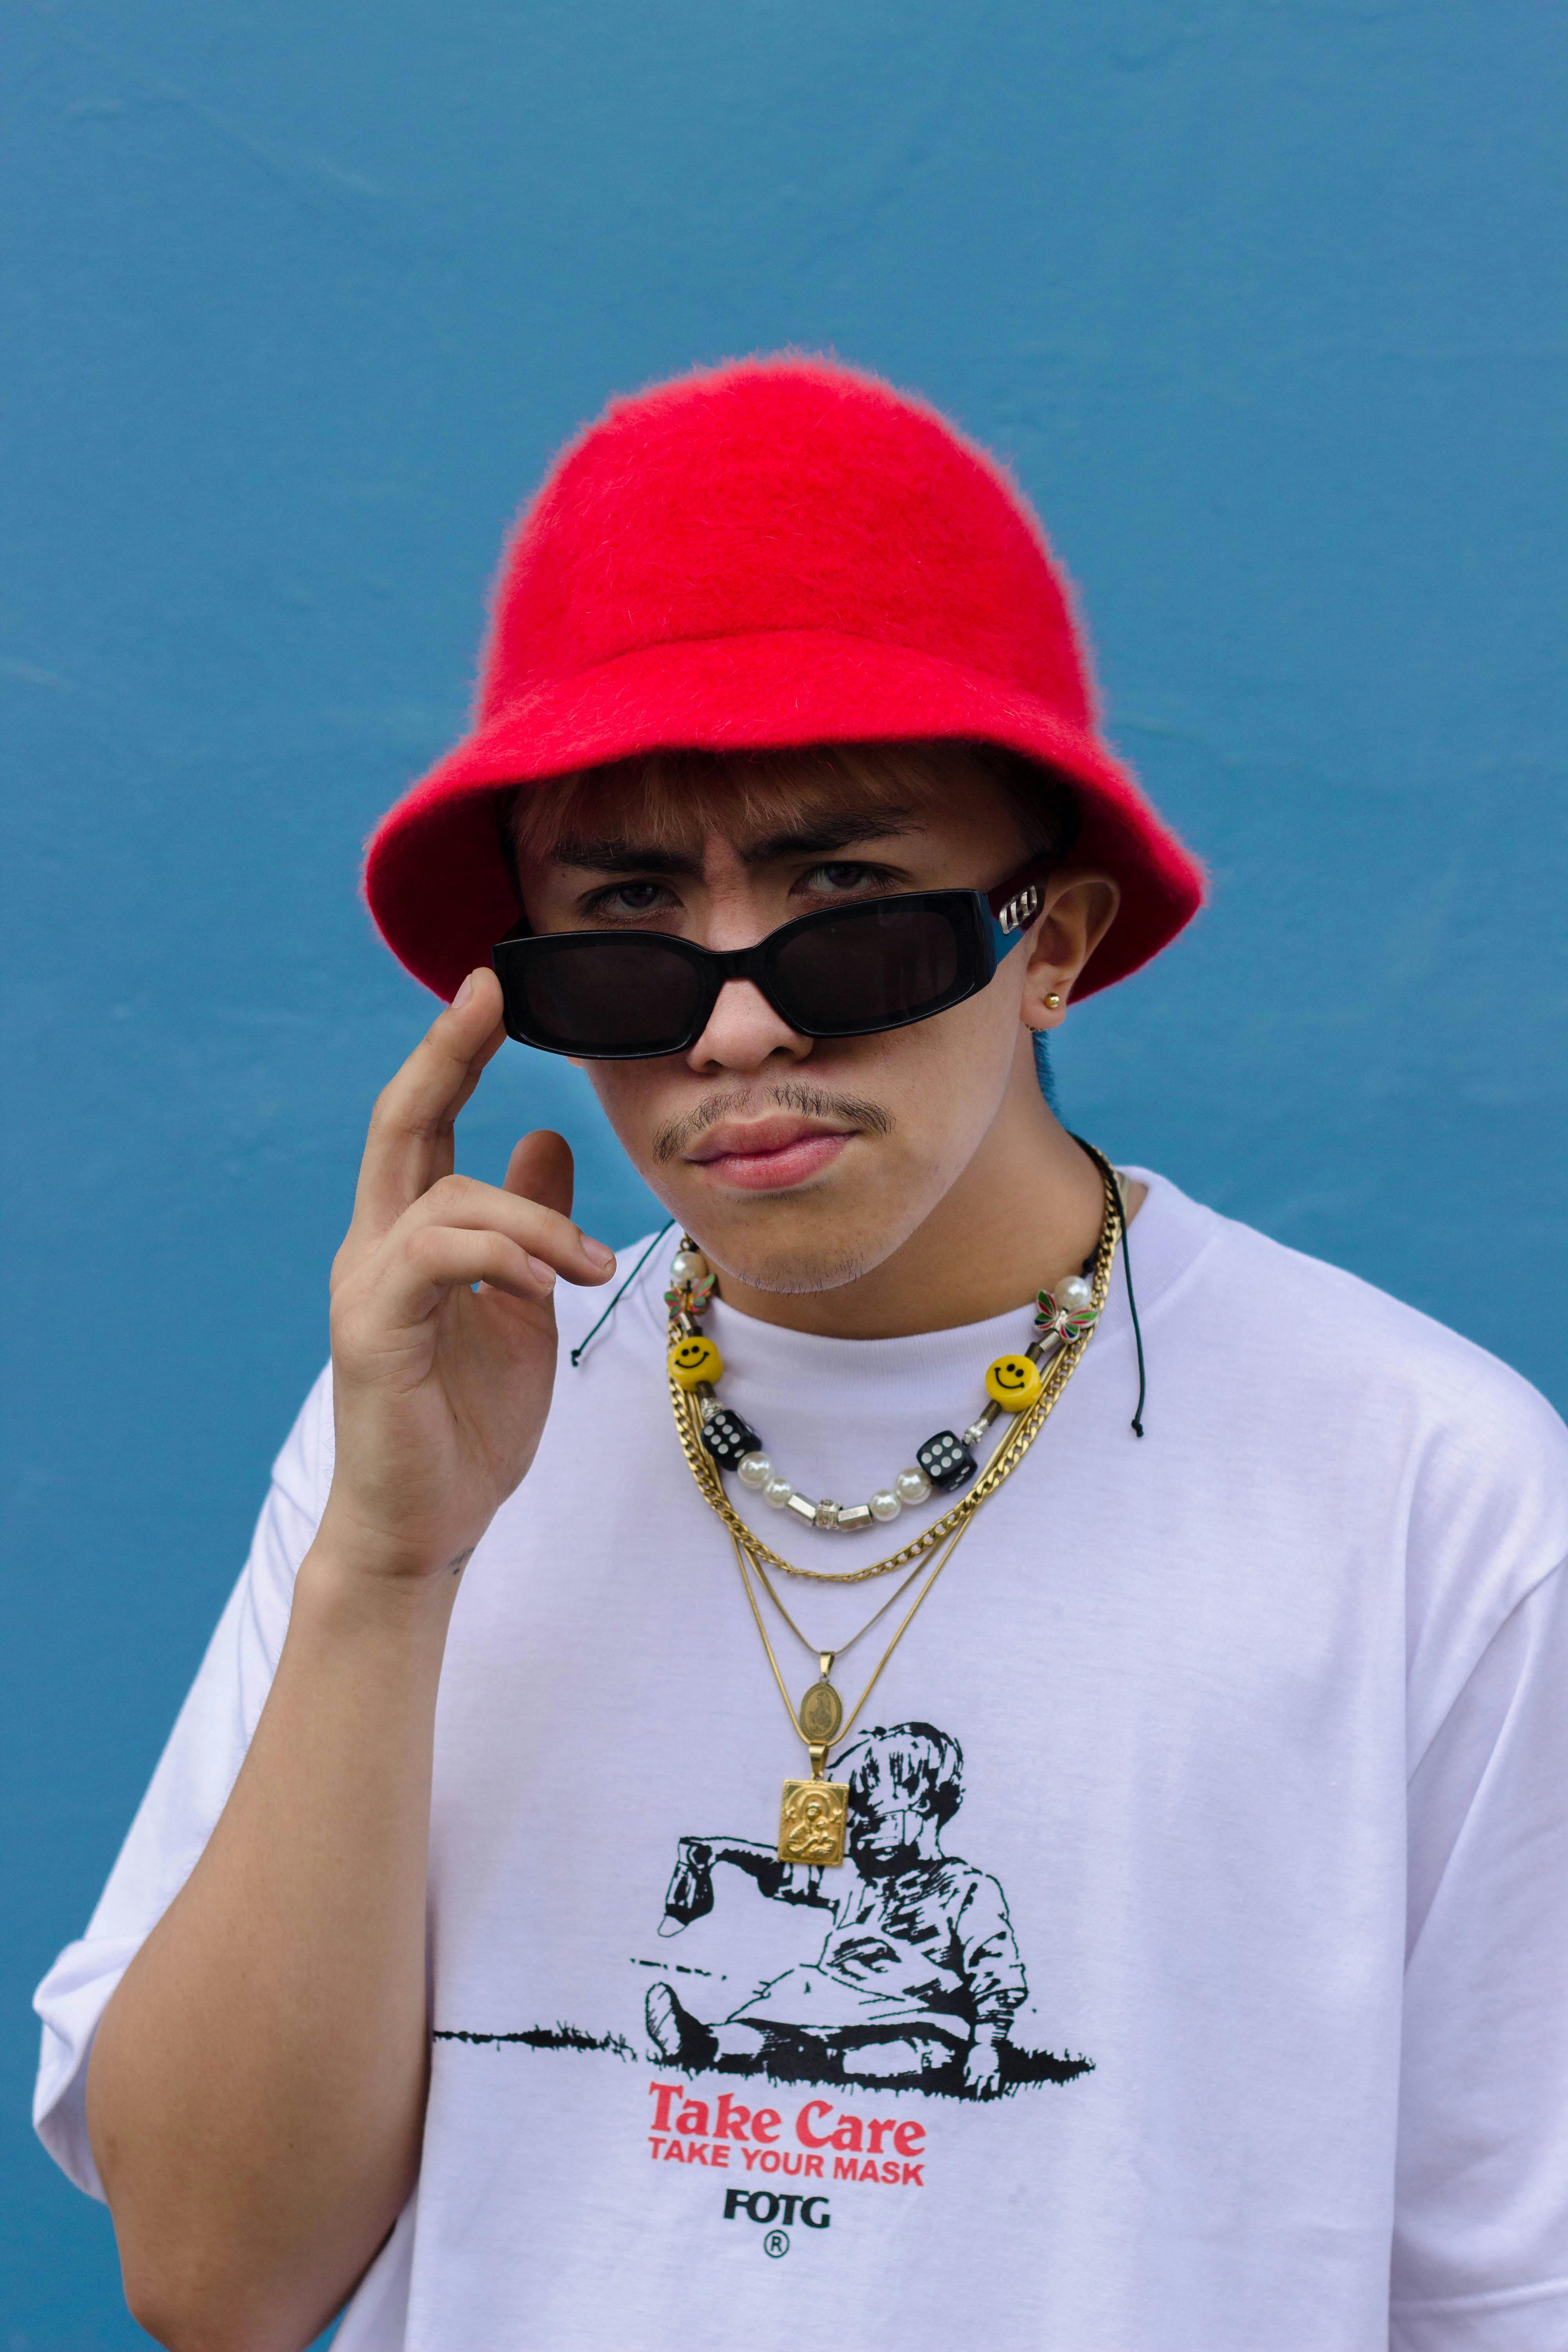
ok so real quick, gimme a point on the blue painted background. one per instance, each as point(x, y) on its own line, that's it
point(1263, 301)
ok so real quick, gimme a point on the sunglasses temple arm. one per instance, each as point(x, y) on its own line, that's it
point(1014, 904)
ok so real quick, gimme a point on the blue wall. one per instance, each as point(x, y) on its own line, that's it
point(1263, 299)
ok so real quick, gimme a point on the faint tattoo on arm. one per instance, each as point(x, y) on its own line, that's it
point(459, 1560)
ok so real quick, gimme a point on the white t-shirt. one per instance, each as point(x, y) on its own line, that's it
point(1232, 1765)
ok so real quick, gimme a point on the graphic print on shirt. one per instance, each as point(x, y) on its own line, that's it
point(919, 1978)
point(917, 1983)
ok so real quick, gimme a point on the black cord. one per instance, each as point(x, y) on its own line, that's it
point(581, 1350)
point(1106, 1170)
point(1109, 1172)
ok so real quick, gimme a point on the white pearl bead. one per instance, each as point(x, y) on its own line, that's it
point(911, 1485)
point(689, 1266)
point(886, 1506)
point(777, 1492)
point(1074, 1293)
point(753, 1469)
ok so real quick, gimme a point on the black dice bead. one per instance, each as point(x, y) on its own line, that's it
point(946, 1460)
point(727, 1438)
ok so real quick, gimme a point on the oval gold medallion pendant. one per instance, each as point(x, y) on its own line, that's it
point(821, 1713)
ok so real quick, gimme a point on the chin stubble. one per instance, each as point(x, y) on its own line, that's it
point(786, 1273)
point(791, 1278)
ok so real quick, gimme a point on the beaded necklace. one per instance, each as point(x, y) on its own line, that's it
point(714, 1439)
point(1025, 1387)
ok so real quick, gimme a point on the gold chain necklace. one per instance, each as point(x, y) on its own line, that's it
point(814, 1814)
point(820, 1720)
point(689, 1405)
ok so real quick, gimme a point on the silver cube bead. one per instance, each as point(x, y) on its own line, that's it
point(803, 1509)
point(855, 1514)
point(827, 1515)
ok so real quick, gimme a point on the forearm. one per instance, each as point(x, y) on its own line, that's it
point(257, 2090)
point(743, 1854)
point(783, 1880)
point(255, 2095)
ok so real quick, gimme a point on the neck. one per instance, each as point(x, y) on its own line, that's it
point(1026, 1212)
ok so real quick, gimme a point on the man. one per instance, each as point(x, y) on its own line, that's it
point(785, 813)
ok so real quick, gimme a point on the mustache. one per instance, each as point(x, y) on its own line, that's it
point(673, 1141)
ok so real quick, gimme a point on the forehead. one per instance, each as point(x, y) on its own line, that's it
point(671, 802)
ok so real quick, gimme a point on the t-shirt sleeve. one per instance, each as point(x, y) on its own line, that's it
point(188, 1790)
point(1480, 2241)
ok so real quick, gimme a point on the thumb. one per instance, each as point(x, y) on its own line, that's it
point(540, 1170)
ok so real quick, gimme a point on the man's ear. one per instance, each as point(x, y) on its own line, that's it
point(1080, 909)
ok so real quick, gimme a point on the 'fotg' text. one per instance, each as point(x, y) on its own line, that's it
point(821, 2142)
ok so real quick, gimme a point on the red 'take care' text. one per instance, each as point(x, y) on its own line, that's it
point(729, 2134)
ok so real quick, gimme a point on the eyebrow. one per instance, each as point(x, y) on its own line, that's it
point(617, 853)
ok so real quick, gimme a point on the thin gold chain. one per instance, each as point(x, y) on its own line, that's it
point(1004, 1459)
point(841, 1649)
point(844, 1728)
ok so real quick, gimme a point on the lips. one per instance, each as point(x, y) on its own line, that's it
point(768, 1155)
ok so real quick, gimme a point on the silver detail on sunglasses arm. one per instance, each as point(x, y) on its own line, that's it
point(1017, 910)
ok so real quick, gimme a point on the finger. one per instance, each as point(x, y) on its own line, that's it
point(409, 1145)
point(544, 1233)
point(540, 1169)
point(436, 1259)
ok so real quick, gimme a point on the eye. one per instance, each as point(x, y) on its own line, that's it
point(629, 899)
point(836, 877)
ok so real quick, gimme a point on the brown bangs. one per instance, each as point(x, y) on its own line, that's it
point(679, 794)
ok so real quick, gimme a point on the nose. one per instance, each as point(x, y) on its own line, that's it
point(743, 1033)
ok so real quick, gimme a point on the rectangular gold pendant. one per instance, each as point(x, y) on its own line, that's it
point(811, 1823)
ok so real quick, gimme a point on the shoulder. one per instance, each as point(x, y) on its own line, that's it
point(1380, 1420)
point(961, 1886)
point(1323, 1324)
point(1261, 1312)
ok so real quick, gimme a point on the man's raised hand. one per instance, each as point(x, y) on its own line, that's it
point(441, 1389)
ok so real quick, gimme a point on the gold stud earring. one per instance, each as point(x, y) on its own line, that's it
point(1052, 1003)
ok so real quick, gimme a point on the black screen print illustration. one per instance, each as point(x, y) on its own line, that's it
point(919, 1979)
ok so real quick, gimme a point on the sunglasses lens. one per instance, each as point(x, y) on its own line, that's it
point(873, 967)
point(603, 996)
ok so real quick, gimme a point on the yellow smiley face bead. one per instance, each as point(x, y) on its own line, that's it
point(694, 1361)
point(1014, 1382)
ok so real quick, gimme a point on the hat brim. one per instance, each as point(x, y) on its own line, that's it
point(439, 880)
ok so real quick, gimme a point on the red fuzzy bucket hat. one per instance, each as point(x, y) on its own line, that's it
point(777, 553)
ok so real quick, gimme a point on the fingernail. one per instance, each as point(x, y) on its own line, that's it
point(464, 993)
point(596, 1253)
point(545, 1273)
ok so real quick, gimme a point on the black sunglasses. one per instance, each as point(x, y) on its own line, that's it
point(844, 971)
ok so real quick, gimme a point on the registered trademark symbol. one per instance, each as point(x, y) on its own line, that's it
point(777, 2243)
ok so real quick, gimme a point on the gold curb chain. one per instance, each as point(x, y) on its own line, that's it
point(1004, 1459)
